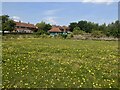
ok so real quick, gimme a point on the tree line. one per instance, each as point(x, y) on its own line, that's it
point(80, 27)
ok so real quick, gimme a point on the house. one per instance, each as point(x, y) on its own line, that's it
point(25, 27)
point(56, 30)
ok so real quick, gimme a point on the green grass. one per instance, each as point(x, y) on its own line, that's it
point(46, 62)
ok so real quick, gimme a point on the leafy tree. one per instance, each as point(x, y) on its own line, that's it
point(103, 28)
point(7, 23)
point(113, 29)
point(43, 27)
point(5, 18)
point(77, 31)
point(82, 25)
point(40, 32)
point(72, 26)
point(86, 26)
point(47, 27)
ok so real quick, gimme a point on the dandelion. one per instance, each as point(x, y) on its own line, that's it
point(80, 86)
point(65, 84)
point(89, 70)
point(73, 82)
point(15, 86)
point(34, 83)
point(55, 74)
point(113, 81)
point(58, 79)
point(71, 72)
point(21, 81)
point(81, 83)
point(23, 68)
point(26, 84)
point(78, 80)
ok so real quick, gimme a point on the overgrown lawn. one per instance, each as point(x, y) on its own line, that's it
point(46, 62)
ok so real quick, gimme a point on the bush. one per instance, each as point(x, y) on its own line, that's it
point(77, 31)
point(40, 32)
point(69, 36)
point(97, 34)
point(64, 36)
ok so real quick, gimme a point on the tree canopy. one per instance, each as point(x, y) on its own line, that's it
point(43, 27)
point(111, 29)
point(7, 23)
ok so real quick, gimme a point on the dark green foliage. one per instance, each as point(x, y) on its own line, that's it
point(113, 29)
point(7, 23)
point(47, 27)
point(39, 32)
point(94, 28)
point(43, 27)
point(77, 31)
point(72, 26)
point(64, 36)
point(69, 36)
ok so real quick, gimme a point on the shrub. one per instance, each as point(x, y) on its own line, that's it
point(97, 34)
point(40, 32)
point(64, 36)
point(77, 31)
point(69, 36)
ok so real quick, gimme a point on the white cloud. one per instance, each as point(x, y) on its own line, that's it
point(51, 20)
point(15, 18)
point(99, 1)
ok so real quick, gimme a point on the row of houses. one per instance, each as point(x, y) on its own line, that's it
point(22, 27)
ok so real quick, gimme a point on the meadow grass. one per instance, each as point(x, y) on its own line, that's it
point(59, 63)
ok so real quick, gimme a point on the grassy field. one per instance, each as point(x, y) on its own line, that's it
point(46, 62)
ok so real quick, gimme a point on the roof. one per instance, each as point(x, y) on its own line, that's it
point(25, 24)
point(55, 29)
point(62, 28)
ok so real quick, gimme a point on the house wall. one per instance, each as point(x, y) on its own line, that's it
point(55, 33)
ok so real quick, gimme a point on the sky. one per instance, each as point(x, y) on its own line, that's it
point(62, 13)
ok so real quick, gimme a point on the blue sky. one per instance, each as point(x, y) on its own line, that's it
point(61, 13)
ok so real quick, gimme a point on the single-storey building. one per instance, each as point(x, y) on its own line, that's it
point(56, 30)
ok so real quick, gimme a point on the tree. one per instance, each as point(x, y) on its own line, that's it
point(77, 31)
point(72, 26)
point(7, 23)
point(113, 29)
point(86, 26)
point(5, 18)
point(43, 27)
point(47, 27)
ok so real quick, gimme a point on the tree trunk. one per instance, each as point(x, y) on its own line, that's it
point(3, 32)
